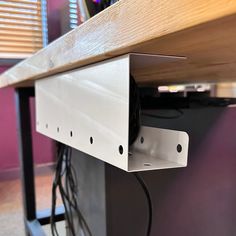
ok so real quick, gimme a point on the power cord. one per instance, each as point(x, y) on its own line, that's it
point(66, 182)
point(149, 201)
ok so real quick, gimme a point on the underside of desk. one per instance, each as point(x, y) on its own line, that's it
point(203, 31)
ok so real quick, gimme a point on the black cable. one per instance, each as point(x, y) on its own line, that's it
point(71, 195)
point(71, 181)
point(54, 188)
point(65, 180)
point(149, 201)
point(57, 183)
point(65, 199)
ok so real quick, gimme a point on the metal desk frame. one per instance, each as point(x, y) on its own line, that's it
point(33, 219)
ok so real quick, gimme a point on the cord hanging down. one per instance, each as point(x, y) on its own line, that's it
point(149, 201)
point(65, 181)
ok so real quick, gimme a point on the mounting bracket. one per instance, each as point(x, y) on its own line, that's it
point(88, 109)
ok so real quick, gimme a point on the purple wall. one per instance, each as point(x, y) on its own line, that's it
point(8, 145)
point(43, 147)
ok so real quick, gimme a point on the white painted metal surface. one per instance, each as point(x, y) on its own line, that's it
point(158, 149)
point(88, 109)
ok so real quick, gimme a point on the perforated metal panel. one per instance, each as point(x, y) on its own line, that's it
point(88, 109)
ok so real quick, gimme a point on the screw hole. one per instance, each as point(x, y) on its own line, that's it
point(91, 140)
point(121, 150)
point(71, 133)
point(142, 139)
point(179, 148)
point(147, 164)
point(58, 129)
point(46, 126)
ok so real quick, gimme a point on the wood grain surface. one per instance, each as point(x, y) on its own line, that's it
point(203, 31)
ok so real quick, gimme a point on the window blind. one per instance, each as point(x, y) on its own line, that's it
point(21, 28)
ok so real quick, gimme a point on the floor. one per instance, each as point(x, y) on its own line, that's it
point(11, 213)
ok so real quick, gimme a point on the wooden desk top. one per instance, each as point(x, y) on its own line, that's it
point(203, 31)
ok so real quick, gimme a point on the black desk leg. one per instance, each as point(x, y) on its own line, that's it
point(32, 222)
point(25, 152)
